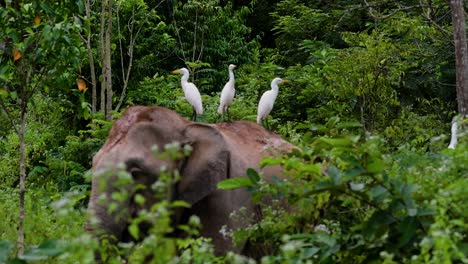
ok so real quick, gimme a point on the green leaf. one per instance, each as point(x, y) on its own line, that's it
point(337, 142)
point(375, 166)
point(335, 175)
point(407, 230)
point(269, 161)
point(332, 121)
point(426, 211)
point(312, 168)
point(253, 175)
point(5, 250)
point(301, 236)
point(323, 186)
point(180, 203)
point(139, 199)
point(4, 69)
point(310, 252)
point(349, 124)
point(134, 230)
point(51, 248)
point(112, 207)
point(235, 183)
point(377, 224)
point(14, 95)
point(352, 173)
point(325, 239)
point(319, 128)
point(3, 94)
point(80, 5)
point(378, 193)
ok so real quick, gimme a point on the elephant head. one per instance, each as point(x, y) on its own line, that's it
point(219, 151)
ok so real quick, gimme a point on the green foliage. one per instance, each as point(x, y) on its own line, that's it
point(152, 41)
point(370, 99)
point(45, 125)
point(50, 216)
point(201, 39)
point(417, 132)
point(446, 240)
point(61, 162)
point(347, 201)
point(43, 46)
point(158, 91)
point(302, 25)
point(67, 165)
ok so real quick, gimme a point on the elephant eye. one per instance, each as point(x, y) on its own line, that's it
point(137, 173)
point(140, 172)
point(134, 167)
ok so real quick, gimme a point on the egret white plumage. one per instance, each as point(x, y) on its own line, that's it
point(228, 92)
point(192, 95)
point(454, 130)
point(268, 100)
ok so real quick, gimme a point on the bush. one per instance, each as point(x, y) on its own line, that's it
point(49, 216)
point(67, 165)
point(350, 202)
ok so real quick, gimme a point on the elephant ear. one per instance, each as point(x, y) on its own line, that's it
point(208, 164)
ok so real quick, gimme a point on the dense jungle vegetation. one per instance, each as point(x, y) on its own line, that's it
point(369, 103)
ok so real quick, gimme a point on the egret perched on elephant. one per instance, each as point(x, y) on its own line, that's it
point(265, 105)
point(228, 92)
point(192, 95)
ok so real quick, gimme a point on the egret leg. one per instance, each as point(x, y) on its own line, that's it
point(221, 116)
point(194, 115)
point(227, 114)
point(267, 125)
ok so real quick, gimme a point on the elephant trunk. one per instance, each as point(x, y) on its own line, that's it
point(108, 217)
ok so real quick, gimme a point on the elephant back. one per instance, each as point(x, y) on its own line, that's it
point(249, 143)
point(253, 138)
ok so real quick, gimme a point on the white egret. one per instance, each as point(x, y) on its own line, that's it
point(228, 92)
point(268, 100)
point(454, 129)
point(192, 95)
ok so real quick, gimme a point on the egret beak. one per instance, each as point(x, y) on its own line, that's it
point(235, 66)
point(285, 81)
point(176, 71)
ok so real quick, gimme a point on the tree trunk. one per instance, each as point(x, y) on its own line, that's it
point(103, 55)
point(91, 61)
point(461, 55)
point(107, 64)
point(22, 184)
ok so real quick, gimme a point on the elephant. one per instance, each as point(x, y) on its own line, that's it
point(219, 151)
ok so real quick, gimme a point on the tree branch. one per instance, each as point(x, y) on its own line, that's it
point(178, 37)
point(194, 48)
point(379, 17)
point(131, 47)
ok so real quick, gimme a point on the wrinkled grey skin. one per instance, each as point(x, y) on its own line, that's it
point(220, 151)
